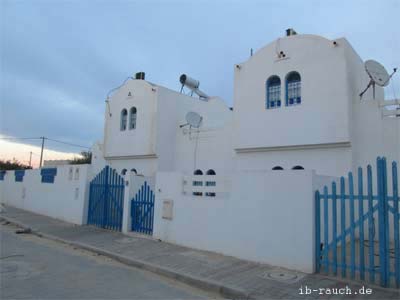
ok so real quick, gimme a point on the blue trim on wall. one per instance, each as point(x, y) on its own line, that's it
point(19, 175)
point(48, 175)
point(2, 173)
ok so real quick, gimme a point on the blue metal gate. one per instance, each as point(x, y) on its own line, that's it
point(382, 262)
point(106, 200)
point(142, 210)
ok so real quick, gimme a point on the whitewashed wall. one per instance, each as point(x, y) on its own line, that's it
point(65, 199)
point(325, 95)
point(268, 217)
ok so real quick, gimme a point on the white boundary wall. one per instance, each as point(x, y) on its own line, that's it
point(268, 216)
point(65, 199)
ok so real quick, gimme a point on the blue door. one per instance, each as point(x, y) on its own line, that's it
point(142, 210)
point(106, 200)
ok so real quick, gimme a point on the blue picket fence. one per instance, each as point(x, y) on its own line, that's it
point(142, 210)
point(378, 257)
point(106, 200)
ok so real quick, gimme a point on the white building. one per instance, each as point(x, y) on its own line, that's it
point(296, 105)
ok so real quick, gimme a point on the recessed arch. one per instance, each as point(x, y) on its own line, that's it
point(277, 168)
point(124, 117)
point(198, 172)
point(298, 168)
point(197, 182)
point(133, 170)
point(132, 117)
point(123, 172)
point(211, 172)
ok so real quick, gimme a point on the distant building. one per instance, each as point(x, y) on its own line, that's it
point(56, 162)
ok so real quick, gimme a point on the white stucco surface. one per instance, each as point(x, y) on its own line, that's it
point(268, 217)
point(65, 199)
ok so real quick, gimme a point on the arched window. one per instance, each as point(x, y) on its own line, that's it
point(197, 182)
point(297, 168)
point(123, 172)
point(124, 116)
point(198, 172)
point(133, 170)
point(211, 172)
point(211, 183)
point(273, 86)
point(277, 168)
point(293, 89)
point(132, 118)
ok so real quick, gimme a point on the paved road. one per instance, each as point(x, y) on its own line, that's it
point(33, 267)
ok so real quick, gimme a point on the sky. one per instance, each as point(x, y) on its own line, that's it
point(59, 59)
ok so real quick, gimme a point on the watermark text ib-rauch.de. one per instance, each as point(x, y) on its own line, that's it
point(346, 290)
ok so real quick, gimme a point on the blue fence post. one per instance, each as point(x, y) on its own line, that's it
point(326, 231)
point(334, 227)
point(382, 227)
point(343, 226)
point(371, 226)
point(396, 224)
point(317, 231)
point(352, 229)
point(105, 197)
point(361, 228)
point(386, 221)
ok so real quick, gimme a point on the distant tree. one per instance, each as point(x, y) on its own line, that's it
point(12, 165)
point(86, 158)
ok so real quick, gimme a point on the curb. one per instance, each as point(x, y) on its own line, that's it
point(224, 290)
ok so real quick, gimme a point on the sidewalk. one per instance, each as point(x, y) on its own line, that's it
point(231, 277)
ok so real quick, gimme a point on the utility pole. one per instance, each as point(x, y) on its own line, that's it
point(41, 152)
point(30, 159)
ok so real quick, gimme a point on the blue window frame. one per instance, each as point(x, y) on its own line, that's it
point(19, 175)
point(273, 87)
point(211, 183)
point(2, 173)
point(197, 182)
point(48, 175)
point(293, 89)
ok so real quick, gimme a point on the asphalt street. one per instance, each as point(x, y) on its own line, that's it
point(32, 267)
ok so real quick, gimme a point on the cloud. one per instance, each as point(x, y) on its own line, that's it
point(59, 59)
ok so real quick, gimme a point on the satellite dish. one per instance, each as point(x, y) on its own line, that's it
point(193, 119)
point(377, 72)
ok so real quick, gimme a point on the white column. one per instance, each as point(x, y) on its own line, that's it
point(126, 217)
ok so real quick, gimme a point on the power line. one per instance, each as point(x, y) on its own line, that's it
point(66, 143)
point(46, 138)
point(20, 138)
